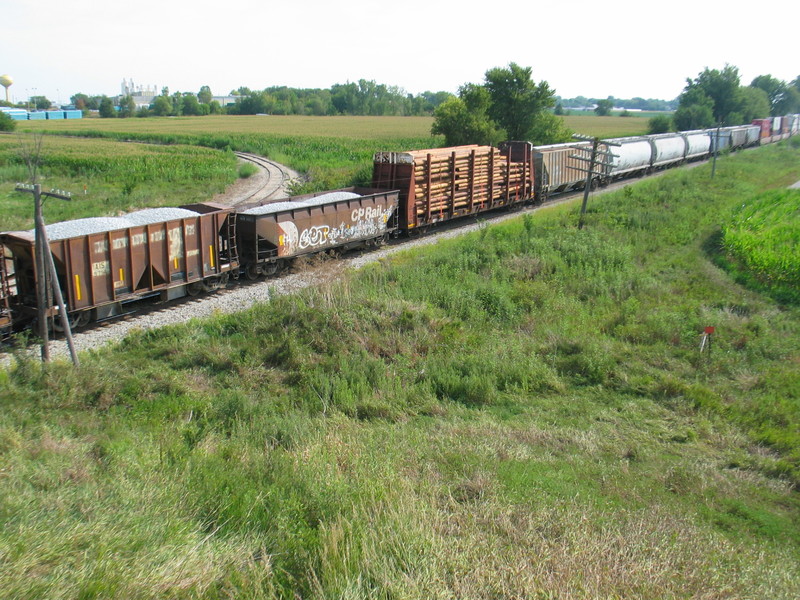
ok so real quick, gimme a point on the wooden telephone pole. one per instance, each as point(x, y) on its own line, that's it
point(600, 163)
point(47, 276)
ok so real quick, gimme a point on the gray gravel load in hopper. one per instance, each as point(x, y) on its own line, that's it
point(274, 207)
point(148, 216)
point(80, 227)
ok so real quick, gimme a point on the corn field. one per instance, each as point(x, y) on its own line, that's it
point(764, 234)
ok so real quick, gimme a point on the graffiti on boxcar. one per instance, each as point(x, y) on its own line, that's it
point(367, 222)
point(314, 236)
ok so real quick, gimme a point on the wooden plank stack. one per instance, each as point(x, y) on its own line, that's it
point(443, 183)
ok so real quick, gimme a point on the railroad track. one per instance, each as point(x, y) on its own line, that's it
point(276, 177)
point(239, 297)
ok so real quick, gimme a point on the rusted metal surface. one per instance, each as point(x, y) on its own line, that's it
point(125, 264)
point(444, 183)
point(5, 294)
point(312, 223)
point(766, 129)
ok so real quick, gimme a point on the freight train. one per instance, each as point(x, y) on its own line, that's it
point(106, 263)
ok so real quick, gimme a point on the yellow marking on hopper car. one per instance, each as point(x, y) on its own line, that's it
point(280, 240)
point(78, 286)
point(175, 262)
point(211, 255)
point(121, 275)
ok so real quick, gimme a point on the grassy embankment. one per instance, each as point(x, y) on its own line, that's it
point(519, 413)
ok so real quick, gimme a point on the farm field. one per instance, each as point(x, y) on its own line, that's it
point(518, 413)
point(360, 128)
point(332, 152)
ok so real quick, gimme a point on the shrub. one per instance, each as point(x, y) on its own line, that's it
point(659, 124)
point(247, 170)
point(7, 123)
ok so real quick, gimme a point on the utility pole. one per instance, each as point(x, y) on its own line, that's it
point(604, 165)
point(46, 271)
point(716, 151)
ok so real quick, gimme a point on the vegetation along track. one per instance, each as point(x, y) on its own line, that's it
point(240, 297)
point(245, 294)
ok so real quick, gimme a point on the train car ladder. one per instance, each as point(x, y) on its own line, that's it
point(5, 294)
point(233, 246)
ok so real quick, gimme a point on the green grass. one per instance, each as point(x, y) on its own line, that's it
point(355, 128)
point(326, 162)
point(108, 177)
point(606, 127)
point(763, 235)
point(521, 412)
point(247, 170)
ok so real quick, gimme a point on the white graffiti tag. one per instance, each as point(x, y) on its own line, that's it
point(314, 236)
point(368, 223)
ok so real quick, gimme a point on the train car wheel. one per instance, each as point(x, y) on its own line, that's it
point(194, 288)
point(82, 319)
point(216, 283)
point(251, 271)
point(76, 321)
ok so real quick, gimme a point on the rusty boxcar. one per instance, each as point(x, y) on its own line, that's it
point(273, 232)
point(105, 262)
point(444, 183)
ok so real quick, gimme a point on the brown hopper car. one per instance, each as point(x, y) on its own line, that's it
point(103, 263)
point(273, 232)
point(5, 295)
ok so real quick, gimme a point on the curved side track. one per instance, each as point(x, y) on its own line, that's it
point(274, 180)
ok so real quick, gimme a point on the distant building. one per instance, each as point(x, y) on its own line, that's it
point(225, 100)
point(142, 96)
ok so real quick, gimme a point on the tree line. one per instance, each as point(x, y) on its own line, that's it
point(717, 97)
point(353, 98)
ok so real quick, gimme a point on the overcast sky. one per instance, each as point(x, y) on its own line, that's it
point(590, 48)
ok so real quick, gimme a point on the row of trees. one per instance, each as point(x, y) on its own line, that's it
point(361, 98)
point(717, 96)
point(509, 105)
